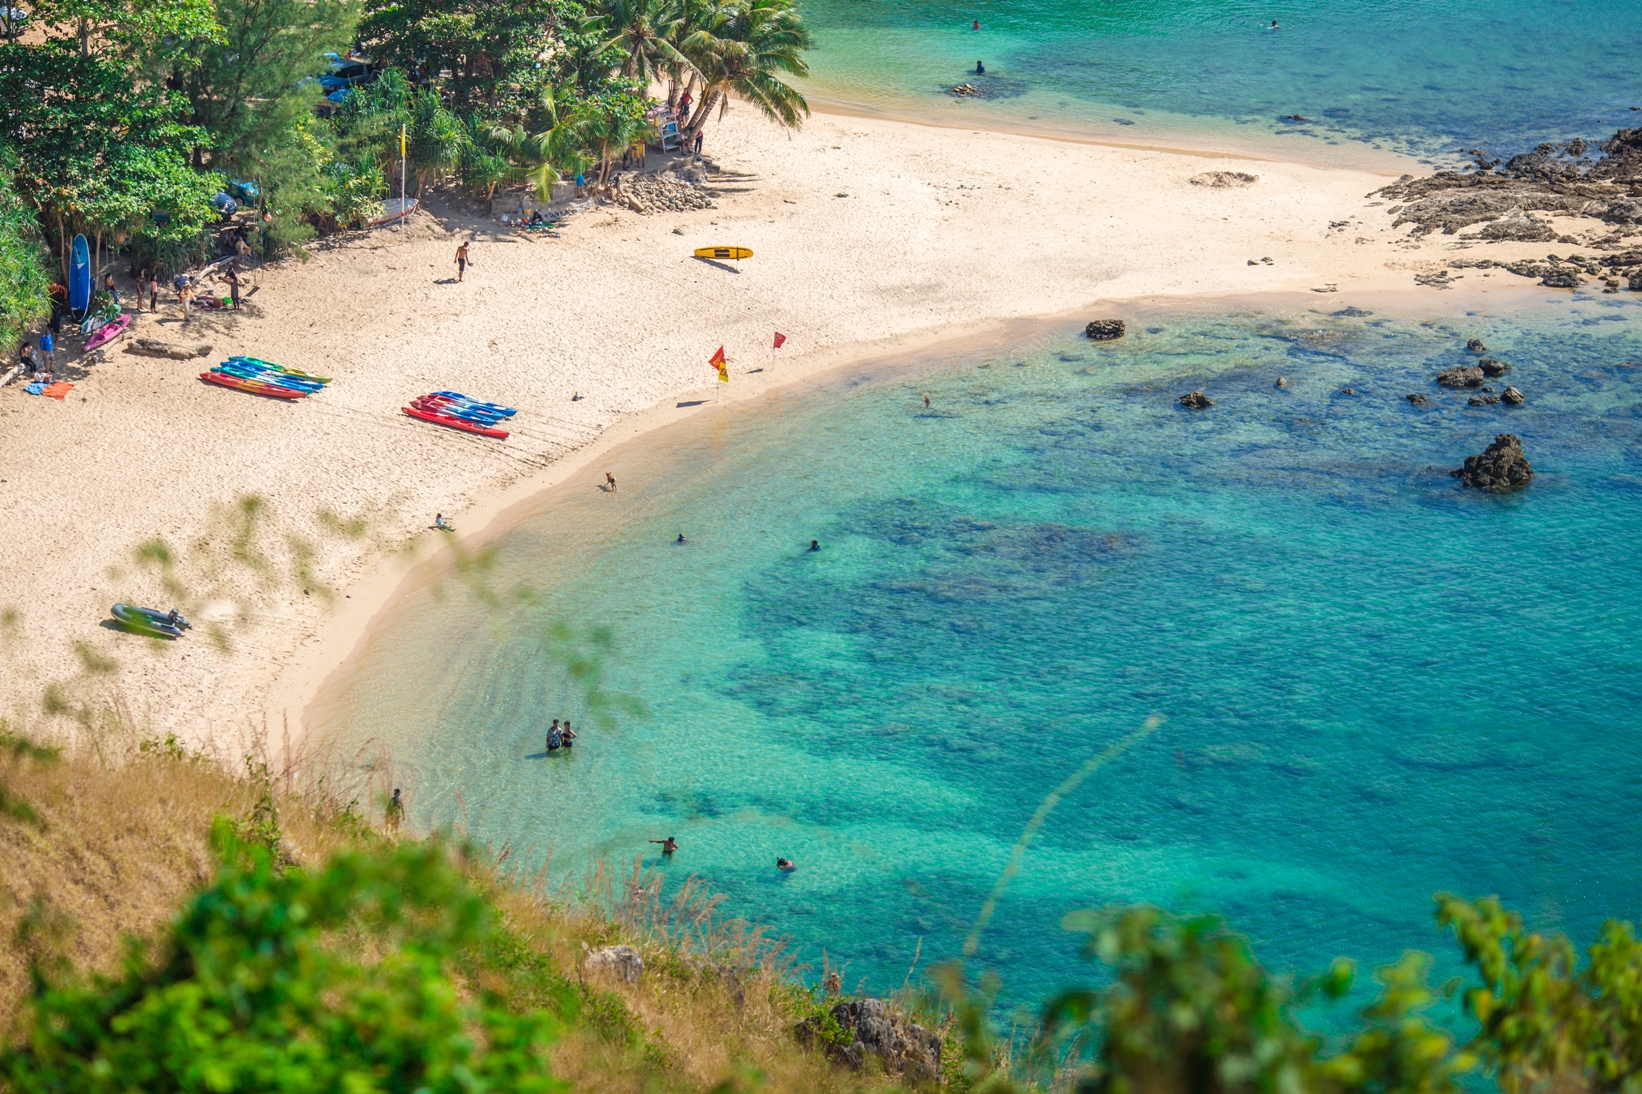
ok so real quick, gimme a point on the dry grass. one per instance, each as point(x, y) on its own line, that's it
point(99, 846)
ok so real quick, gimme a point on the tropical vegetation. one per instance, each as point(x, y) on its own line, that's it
point(126, 119)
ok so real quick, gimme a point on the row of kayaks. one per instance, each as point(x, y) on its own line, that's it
point(454, 410)
point(451, 409)
point(150, 621)
point(258, 377)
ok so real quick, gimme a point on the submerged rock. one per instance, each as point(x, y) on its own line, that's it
point(1512, 396)
point(1417, 400)
point(1500, 466)
point(1475, 346)
point(1104, 330)
point(1491, 367)
point(1483, 400)
point(1196, 400)
point(1466, 376)
point(1561, 279)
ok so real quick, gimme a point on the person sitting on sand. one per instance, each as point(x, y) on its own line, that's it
point(442, 524)
point(25, 360)
point(555, 737)
point(566, 733)
point(785, 864)
point(535, 218)
point(668, 845)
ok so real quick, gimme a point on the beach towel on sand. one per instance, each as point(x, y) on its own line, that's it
point(35, 388)
point(57, 390)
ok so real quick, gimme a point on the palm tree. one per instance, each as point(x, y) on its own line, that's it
point(648, 31)
point(740, 52)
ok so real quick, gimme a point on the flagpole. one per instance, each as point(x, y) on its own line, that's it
point(402, 217)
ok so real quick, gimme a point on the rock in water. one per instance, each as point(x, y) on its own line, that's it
point(1196, 400)
point(1483, 400)
point(1475, 346)
point(1500, 466)
point(1514, 397)
point(1468, 376)
point(1104, 330)
point(905, 1048)
point(1561, 279)
point(618, 962)
point(1491, 367)
point(1418, 400)
point(1282, 381)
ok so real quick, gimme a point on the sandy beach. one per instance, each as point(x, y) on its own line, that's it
point(283, 528)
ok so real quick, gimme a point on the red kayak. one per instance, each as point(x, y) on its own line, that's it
point(254, 387)
point(455, 423)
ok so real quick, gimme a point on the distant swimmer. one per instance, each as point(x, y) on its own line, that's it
point(926, 401)
point(681, 539)
point(668, 845)
point(785, 864)
point(815, 545)
point(1274, 25)
point(976, 25)
point(980, 69)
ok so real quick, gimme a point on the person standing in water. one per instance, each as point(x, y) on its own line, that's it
point(610, 482)
point(976, 25)
point(668, 846)
point(815, 545)
point(980, 69)
point(555, 737)
point(568, 735)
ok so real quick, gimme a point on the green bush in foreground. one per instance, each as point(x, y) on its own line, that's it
point(262, 986)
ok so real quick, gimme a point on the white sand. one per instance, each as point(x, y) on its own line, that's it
point(942, 232)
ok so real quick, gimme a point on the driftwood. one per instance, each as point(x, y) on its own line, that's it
point(153, 347)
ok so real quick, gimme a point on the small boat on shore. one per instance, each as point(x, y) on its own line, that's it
point(451, 422)
point(151, 622)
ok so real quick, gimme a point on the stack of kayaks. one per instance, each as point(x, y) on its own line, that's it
point(259, 377)
point(151, 622)
point(457, 411)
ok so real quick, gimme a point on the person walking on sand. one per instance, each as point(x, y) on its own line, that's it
point(668, 845)
point(699, 134)
point(184, 292)
point(153, 289)
point(461, 260)
point(230, 276)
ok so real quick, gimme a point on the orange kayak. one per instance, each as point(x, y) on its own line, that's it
point(254, 387)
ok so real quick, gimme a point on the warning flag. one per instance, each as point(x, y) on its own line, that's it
point(717, 361)
point(717, 358)
point(779, 338)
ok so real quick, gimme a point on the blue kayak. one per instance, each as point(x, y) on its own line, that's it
point(504, 411)
point(268, 376)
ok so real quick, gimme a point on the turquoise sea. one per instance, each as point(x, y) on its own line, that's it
point(1375, 685)
point(1426, 77)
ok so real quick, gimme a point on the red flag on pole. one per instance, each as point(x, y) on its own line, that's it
point(779, 338)
point(717, 358)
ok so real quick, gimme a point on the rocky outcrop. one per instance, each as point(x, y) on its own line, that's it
point(1512, 396)
point(622, 963)
point(1196, 400)
point(1491, 367)
point(1224, 180)
point(1561, 279)
point(1464, 376)
point(1500, 466)
point(1417, 400)
point(1475, 346)
point(1483, 400)
point(871, 1028)
point(1104, 330)
point(153, 347)
point(664, 193)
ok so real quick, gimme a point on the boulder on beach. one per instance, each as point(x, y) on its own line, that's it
point(1196, 400)
point(1104, 330)
point(1500, 466)
point(1465, 376)
point(1561, 279)
point(1512, 396)
point(154, 347)
point(1417, 400)
point(1491, 367)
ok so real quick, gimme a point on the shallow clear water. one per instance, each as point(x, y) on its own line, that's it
point(1421, 76)
point(1376, 685)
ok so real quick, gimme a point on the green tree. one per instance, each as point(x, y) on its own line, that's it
point(648, 31)
point(23, 279)
point(347, 978)
point(741, 50)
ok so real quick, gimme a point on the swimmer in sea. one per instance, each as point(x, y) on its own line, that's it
point(815, 545)
point(980, 69)
point(976, 25)
point(1274, 25)
point(681, 539)
point(668, 845)
point(785, 864)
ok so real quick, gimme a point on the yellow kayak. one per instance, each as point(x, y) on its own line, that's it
point(724, 252)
